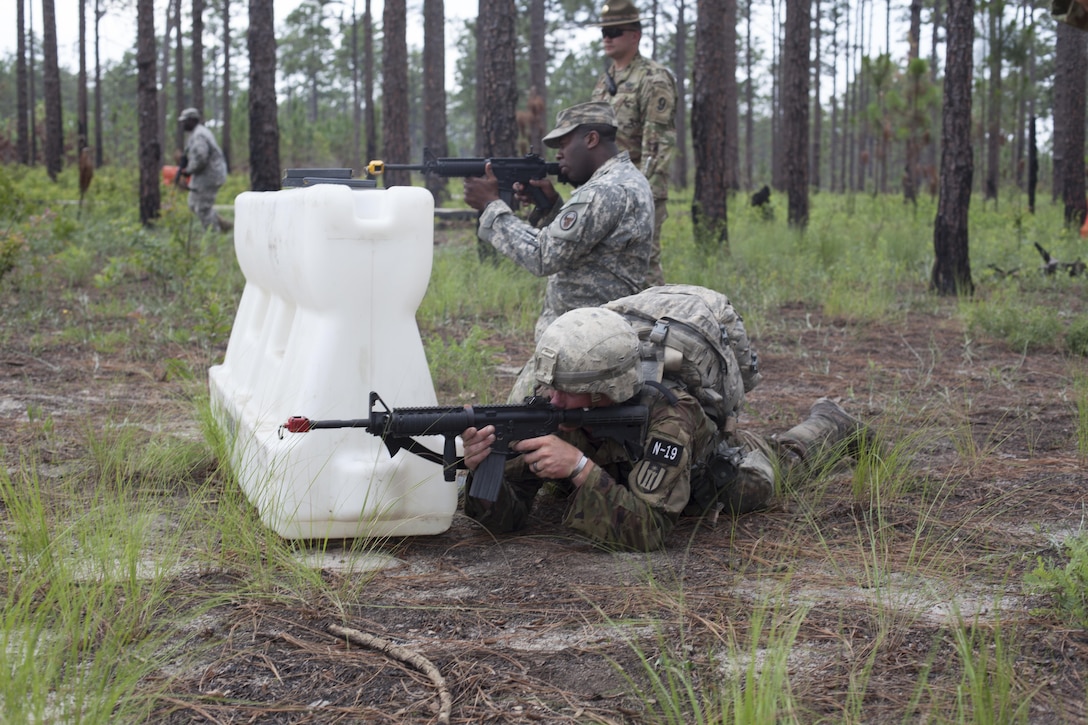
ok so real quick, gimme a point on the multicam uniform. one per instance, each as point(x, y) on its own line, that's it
point(645, 106)
point(623, 503)
point(207, 169)
point(595, 247)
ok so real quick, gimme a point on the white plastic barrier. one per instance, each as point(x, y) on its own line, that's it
point(334, 276)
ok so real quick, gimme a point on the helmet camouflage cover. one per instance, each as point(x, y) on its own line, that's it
point(590, 350)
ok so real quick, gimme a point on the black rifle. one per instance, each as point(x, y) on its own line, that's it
point(537, 417)
point(507, 170)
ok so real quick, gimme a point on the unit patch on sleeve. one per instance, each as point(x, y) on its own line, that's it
point(664, 452)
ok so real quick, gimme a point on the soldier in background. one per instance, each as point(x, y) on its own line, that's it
point(206, 168)
point(643, 94)
point(594, 247)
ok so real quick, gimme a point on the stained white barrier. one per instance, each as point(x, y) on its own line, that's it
point(334, 276)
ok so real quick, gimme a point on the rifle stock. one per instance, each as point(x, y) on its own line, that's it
point(537, 417)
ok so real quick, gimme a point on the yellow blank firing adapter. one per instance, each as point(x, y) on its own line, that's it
point(375, 168)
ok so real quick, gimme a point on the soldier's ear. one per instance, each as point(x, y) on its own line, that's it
point(592, 139)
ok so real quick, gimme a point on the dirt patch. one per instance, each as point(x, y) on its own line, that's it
point(543, 627)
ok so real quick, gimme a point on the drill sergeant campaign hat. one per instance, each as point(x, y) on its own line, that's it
point(618, 12)
point(594, 112)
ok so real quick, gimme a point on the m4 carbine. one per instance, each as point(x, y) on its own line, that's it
point(507, 170)
point(537, 417)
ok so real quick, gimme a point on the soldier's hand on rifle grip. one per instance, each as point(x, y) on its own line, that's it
point(481, 190)
point(540, 192)
point(476, 445)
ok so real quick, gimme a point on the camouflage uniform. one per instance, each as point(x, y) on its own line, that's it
point(645, 105)
point(634, 505)
point(595, 247)
point(623, 503)
point(207, 170)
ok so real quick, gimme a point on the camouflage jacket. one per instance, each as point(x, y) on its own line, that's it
point(594, 249)
point(627, 502)
point(645, 106)
point(207, 166)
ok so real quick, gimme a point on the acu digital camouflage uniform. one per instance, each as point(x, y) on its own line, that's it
point(206, 168)
point(593, 249)
point(645, 103)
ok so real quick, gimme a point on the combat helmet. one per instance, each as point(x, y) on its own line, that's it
point(590, 350)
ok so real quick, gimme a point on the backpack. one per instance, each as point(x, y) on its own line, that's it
point(693, 337)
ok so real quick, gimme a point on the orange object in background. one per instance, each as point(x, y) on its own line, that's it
point(170, 173)
point(1084, 229)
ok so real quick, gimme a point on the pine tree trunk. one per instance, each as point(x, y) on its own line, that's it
point(197, 55)
point(434, 90)
point(147, 105)
point(795, 100)
point(81, 82)
point(951, 266)
point(368, 85)
point(225, 141)
point(708, 127)
point(264, 129)
point(680, 62)
point(395, 143)
point(22, 142)
point(179, 78)
point(1069, 77)
point(496, 89)
point(54, 126)
point(729, 99)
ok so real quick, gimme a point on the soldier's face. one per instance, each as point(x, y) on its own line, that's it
point(573, 157)
point(621, 47)
point(571, 401)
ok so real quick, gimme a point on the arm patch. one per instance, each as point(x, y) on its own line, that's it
point(664, 452)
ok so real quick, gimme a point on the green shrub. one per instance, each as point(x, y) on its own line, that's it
point(1067, 584)
point(1076, 337)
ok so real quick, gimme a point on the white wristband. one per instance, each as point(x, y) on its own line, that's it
point(579, 467)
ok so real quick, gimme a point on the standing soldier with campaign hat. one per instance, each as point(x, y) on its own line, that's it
point(643, 94)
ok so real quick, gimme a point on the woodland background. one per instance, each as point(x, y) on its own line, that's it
point(995, 88)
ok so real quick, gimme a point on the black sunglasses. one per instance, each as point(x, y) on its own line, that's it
point(613, 33)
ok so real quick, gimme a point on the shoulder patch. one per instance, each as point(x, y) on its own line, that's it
point(650, 477)
point(664, 452)
point(568, 219)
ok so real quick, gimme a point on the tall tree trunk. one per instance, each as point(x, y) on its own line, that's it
point(795, 100)
point(732, 105)
point(225, 141)
point(1033, 165)
point(680, 63)
point(434, 90)
point(264, 129)
point(993, 135)
point(98, 14)
point(951, 265)
point(749, 98)
point(368, 84)
point(708, 126)
point(147, 105)
point(22, 126)
point(356, 102)
point(496, 90)
point(31, 89)
point(81, 87)
point(1069, 100)
point(777, 168)
point(817, 110)
point(179, 78)
point(164, 77)
point(910, 170)
point(197, 55)
point(937, 24)
point(538, 75)
point(395, 141)
point(54, 126)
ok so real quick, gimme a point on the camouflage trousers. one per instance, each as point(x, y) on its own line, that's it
point(202, 204)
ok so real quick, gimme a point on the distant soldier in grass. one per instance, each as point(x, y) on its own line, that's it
point(205, 167)
point(631, 499)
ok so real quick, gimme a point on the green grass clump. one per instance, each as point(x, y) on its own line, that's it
point(1066, 583)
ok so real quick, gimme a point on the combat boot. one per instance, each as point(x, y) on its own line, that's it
point(829, 430)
